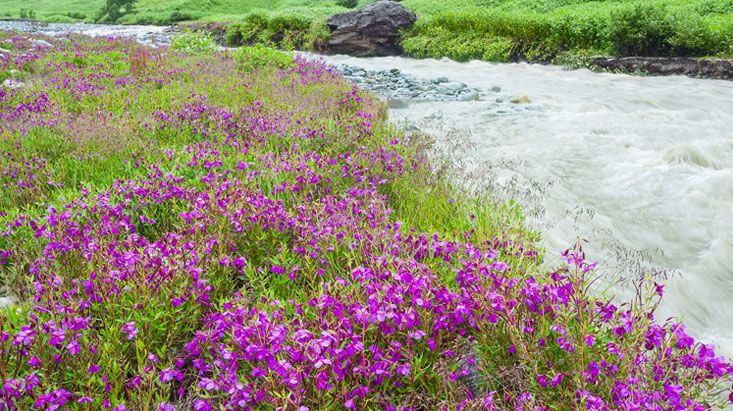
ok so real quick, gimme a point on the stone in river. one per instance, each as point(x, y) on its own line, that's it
point(523, 99)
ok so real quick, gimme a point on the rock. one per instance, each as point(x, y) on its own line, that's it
point(7, 301)
point(523, 99)
point(41, 43)
point(372, 31)
point(454, 86)
point(689, 66)
point(470, 96)
point(496, 89)
point(13, 84)
point(394, 71)
point(440, 80)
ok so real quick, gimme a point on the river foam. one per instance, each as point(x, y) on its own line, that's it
point(640, 167)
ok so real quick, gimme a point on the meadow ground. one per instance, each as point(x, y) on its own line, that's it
point(192, 229)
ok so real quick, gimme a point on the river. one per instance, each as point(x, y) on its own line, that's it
point(639, 167)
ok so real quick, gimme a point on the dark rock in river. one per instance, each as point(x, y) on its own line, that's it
point(372, 31)
point(708, 68)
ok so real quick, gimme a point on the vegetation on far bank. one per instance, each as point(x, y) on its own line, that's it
point(564, 31)
point(187, 229)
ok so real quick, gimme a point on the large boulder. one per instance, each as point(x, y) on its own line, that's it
point(372, 31)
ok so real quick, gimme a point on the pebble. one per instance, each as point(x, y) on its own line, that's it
point(401, 88)
point(523, 99)
point(13, 84)
point(7, 302)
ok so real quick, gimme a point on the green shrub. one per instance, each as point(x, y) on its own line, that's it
point(113, 10)
point(177, 16)
point(76, 15)
point(193, 42)
point(690, 36)
point(349, 4)
point(284, 31)
point(641, 29)
point(259, 56)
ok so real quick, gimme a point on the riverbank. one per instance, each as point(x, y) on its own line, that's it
point(269, 235)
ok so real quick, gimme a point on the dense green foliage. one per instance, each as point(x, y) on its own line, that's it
point(541, 30)
point(113, 10)
point(190, 42)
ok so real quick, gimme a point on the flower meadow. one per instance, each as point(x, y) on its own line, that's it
point(197, 232)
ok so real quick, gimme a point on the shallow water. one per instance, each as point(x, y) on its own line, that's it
point(640, 167)
point(145, 34)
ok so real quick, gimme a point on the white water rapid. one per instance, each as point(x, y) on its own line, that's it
point(640, 167)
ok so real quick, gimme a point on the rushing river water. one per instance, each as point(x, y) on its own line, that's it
point(640, 167)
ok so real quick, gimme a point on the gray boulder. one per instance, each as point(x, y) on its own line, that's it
point(13, 84)
point(372, 31)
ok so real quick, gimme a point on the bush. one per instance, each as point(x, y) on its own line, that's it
point(349, 4)
point(194, 42)
point(284, 31)
point(76, 15)
point(641, 30)
point(177, 16)
point(259, 56)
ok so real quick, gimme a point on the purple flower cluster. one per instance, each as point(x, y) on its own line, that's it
point(252, 258)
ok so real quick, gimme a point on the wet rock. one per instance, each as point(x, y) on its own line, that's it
point(440, 80)
point(535, 107)
point(13, 84)
point(7, 302)
point(495, 89)
point(41, 43)
point(394, 85)
point(5, 299)
point(523, 99)
point(470, 96)
point(372, 31)
point(664, 66)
